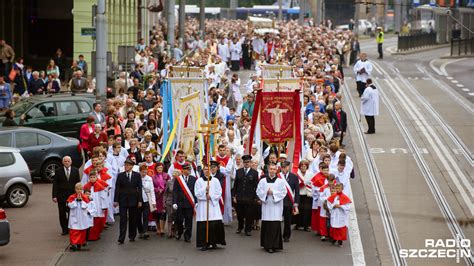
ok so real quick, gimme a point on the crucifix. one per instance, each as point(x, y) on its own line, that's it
point(207, 130)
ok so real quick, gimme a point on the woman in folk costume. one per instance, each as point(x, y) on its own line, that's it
point(79, 217)
point(324, 193)
point(339, 205)
point(208, 213)
point(98, 190)
point(303, 219)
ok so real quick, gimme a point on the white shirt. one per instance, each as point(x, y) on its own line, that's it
point(339, 216)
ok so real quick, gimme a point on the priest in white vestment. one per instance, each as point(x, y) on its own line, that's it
point(271, 191)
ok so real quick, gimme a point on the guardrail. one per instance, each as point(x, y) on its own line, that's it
point(462, 47)
point(415, 40)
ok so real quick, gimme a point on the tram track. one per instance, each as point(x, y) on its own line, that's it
point(433, 185)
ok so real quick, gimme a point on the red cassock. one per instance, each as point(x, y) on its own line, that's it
point(223, 162)
point(341, 232)
point(77, 237)
point(99, 222)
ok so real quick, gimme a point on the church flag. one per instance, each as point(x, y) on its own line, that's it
point(277, 114)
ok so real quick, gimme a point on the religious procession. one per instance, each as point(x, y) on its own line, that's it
point(196, 146)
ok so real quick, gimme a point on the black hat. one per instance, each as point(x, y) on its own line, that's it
point(215, 163)
point(129, 161)
point(246, 158)
point(186, 166)
point(285, 164)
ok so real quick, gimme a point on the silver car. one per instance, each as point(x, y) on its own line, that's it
point(15, 179)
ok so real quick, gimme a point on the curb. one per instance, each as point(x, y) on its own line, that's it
point(429, 48)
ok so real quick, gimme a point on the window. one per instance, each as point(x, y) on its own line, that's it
point(43, 140)
point(67, 108)
point(42, 110)
point(84, 107)
point(26, 139)
point(6, 159)
point(6, 140)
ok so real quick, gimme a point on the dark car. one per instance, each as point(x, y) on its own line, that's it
point(42, 150)
point(4, 228)
point(59, 113)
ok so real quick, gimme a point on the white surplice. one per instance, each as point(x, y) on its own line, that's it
point(272, 205)
point(215, 192)
point(339, 216)
point(79, 219)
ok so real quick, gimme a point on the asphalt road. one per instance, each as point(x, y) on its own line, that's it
point(417, 172)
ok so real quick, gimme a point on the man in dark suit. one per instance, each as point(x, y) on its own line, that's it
point(99, 117)
point(183, 206)
point(65, 179)
point(79, 84)
point(244, 195)
point(341, 121)
point(128, 196)
point(140, 154)
point(290, 206)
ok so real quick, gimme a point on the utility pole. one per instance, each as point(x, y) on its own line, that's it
point(398, 14)
point(101, 51)
point(356, 18)
point(302, 11)
point(202, 17)
point(280, 10)
point(182, 18)
point(171, 24)
point(233, 4)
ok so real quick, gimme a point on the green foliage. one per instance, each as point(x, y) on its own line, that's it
point(225, 3)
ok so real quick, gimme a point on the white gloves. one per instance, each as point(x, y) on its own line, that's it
point(175, 206)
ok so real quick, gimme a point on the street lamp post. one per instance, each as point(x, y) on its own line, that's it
point(101, 51)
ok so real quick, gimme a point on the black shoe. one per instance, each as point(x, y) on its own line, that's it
point(120, 242)
point(238, 231)
point(203, 248)
point(286, 240)
point(247, 234)
point(271, 250)
point(187, 240)
point(178, 237)
point(307, 229)
point(296, 228)
point(73, 248)
point(213, 246)
point(64, 233)
point(132, 240)
point(146, 236)
point(367, 132)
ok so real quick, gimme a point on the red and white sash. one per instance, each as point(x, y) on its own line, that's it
point(186, 191)
point(288, 190)
point(302, 184)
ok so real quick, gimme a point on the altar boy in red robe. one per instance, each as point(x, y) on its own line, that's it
point(99, 194)
point(339, 206)
point(78, 218)
point(319, 180)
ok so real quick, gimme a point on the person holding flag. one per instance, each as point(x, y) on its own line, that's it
point(184, 202)
point(208, 192)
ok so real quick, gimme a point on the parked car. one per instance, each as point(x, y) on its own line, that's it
point(365, 26)
point(15, 179)
point(59, 113)
point(4, 228)
point(43, 151)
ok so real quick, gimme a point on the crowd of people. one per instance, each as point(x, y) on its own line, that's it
point(127, 174)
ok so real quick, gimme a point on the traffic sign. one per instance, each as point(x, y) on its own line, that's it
point(88, 32)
